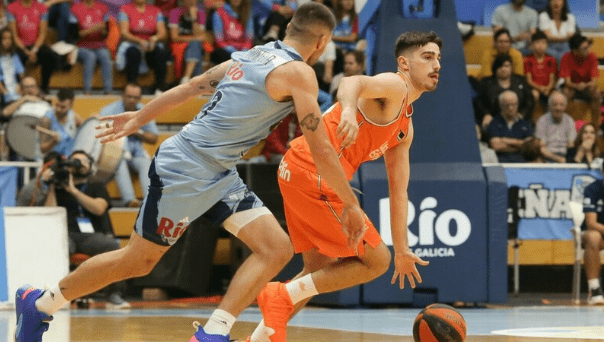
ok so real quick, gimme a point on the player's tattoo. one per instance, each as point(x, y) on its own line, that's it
point(310, 122)
point(213, 83)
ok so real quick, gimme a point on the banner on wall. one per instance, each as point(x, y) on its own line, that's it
point(8, 186)
point(544, 196)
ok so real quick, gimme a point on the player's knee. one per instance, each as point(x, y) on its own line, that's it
point(381, 260)
point(592, 239)
point(283, 253)
point(136, 264)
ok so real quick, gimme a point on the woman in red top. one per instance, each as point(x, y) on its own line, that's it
point(233, 29)
point(142, 31)
point(28, 21)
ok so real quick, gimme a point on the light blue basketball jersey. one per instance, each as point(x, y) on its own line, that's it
point(241, 113)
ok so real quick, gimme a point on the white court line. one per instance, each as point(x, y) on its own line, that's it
point(578, 332)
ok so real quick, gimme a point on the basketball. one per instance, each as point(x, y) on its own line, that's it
point(439, 323)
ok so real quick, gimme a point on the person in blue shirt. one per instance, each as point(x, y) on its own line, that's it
point(507, 132)
point(592, 239)
point(135, 156)
point(62, 125)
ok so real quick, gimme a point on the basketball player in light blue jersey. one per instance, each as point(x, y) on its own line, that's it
point(193, 174)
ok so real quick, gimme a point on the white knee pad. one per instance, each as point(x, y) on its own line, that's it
point(234, 223)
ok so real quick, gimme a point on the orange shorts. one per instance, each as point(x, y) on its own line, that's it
point(313, 213)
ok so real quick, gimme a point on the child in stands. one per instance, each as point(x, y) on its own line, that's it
point(540, 68)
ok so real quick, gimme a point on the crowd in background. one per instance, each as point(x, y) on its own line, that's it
point(538, 65)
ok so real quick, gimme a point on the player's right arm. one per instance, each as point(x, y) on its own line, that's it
point(129, 122)
point(304, 89)
point(387, 86)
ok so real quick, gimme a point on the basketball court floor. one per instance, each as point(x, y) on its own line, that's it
point(173, 323)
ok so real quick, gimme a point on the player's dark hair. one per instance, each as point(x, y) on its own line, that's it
point(309, 15)
point(415, 39)
point(499, 62)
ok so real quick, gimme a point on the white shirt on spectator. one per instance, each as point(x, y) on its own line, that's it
point(567, 27)
point(515, 22)
point(556, 136)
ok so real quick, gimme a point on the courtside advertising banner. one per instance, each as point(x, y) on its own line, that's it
point(544, 195)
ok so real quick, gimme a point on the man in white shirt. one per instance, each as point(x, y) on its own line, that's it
point(556, 128)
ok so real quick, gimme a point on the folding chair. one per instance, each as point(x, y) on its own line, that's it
point(577, 215)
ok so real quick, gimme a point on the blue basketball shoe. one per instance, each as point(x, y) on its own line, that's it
point(201, 336)
point(31, 323)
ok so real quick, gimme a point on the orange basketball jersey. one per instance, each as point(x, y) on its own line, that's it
point(371, 143)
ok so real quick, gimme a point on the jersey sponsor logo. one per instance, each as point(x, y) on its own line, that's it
point(169, 232)
point(377, 153)
point(443, 232)
point(235, 72)
point(284, 172)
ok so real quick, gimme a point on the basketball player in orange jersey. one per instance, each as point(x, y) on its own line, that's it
point(373, 117)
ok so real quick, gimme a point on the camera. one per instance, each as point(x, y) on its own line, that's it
point(61, 171)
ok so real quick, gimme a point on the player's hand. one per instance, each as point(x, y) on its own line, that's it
point(117, 126)
point(348, 128)
point(353, 225)
point(405, 265)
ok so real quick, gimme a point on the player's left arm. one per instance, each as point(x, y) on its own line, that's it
point(397, 161)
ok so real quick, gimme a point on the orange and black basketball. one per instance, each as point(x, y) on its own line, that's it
point(439, 323)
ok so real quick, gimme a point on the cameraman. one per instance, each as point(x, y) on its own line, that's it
point(87, 204)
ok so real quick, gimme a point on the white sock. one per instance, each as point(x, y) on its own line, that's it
point(593, 284)
point(51, 301)
point(220, 322)
point(261, 333)
point(301, 289)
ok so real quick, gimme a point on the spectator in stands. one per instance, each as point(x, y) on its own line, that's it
point(532, 150)
point(34, 193)
point(592, 239)
point(503, 79)
point(585, 148)
point(233, 29)
point(187, 34)
point(28, 20)
point(354, 65)
point(580, 70)
point(31, 102)
point(61, 124)
point(488, 155)
point(88, 224)
point(540, 69)
point(346, 32)
point(143, 32)
point(280, 13)
point(559, 26)
point(135, 157)
point(93, 20)
point(58, 17)
point(3, 16)
point(507, 132)
point(324, 67)
point(556, 128)
point(502, 45)
point(520, 20)
point(166, 6)
point(11, 68)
